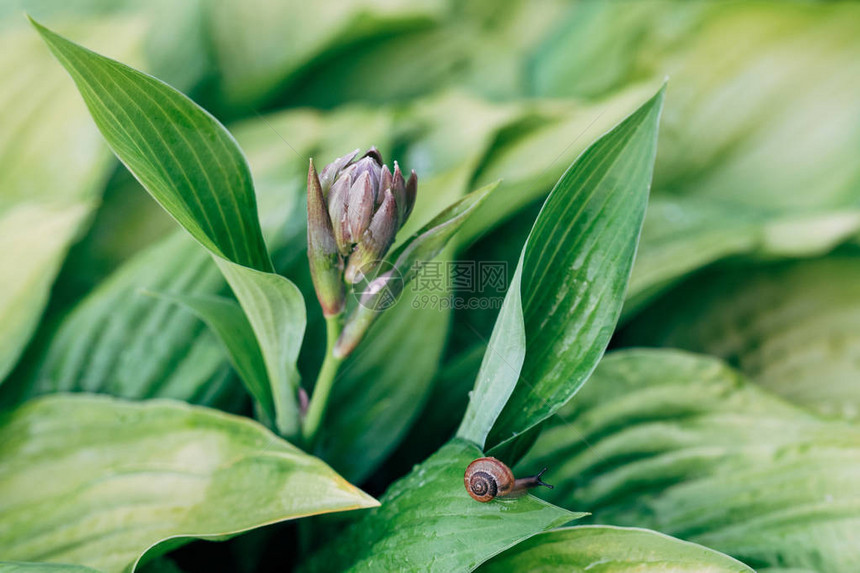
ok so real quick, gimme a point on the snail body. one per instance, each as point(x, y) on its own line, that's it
point(489, 478)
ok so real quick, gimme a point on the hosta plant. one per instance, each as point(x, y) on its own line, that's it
point(271, 360)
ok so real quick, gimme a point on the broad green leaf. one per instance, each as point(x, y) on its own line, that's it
point(29, 272)
point(182, 155)
point(746, 186)
point(276, 311)
point(260, 46)
point(428, 522)
point(24, 567)
point(574, 271)
point(684, 234)
point(46, 194)
point(227, 320)
point(122, 343)
point(793, 327)
point(118, 478)
point(684, 445)
point(604, 549)
point(771, 65)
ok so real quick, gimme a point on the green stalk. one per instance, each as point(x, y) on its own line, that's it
point(324, 383)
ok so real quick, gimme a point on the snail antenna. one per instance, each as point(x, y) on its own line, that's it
point(539, 481)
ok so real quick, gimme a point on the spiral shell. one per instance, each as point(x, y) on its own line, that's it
point(488, 478)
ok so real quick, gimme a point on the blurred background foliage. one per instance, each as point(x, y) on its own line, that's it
point(749, 252)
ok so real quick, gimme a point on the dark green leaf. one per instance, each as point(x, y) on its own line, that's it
point(574, 271)
point(604, 549)
point(117, 478)
point(193, 167)
point(186, 160)
point(381, 387)
point(428, 522)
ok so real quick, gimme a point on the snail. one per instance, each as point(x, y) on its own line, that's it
point(488, 478)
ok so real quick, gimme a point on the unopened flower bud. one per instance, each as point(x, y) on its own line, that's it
point(366, 205)
point(325, 262)
point(375, 241)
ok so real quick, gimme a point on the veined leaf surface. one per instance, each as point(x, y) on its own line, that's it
point(117, 478)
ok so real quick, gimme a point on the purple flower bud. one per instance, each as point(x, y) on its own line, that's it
point(330, 171)
point(359, 206)
point(325, 262)
point(337, 206)
point(375, 241)
point(366, 205)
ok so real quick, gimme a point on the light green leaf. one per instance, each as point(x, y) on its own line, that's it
point(425, 517)
point(259, 46)
point(684, 234)
point(153, 351)
point(46, 194)
point(574, 271)
point(24, 567)
point(772, 65)
point(604, 549)
point(227, 320)
point(793, 327)
point(118, 478)
point(186, 160)
point(684, 445)
point(276, 310)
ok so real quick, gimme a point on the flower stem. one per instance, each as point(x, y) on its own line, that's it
point(324, 383)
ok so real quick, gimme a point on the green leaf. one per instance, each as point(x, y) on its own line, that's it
point(276, 310)
point(187, 161)
point(248, 39)
point(227, 320)
point(684, 234)
point(793, 327)
point(684, 445)
point(381, 388)
point(500, 367)
point(24, 567)
point(119, 342)
point(552, 134)
point(118, 478)
point(193, 167)
point(610, 550)
point(46, 194)
point(425, 518)
point(574, 271)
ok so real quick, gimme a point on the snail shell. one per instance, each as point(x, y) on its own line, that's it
point(488, 478)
